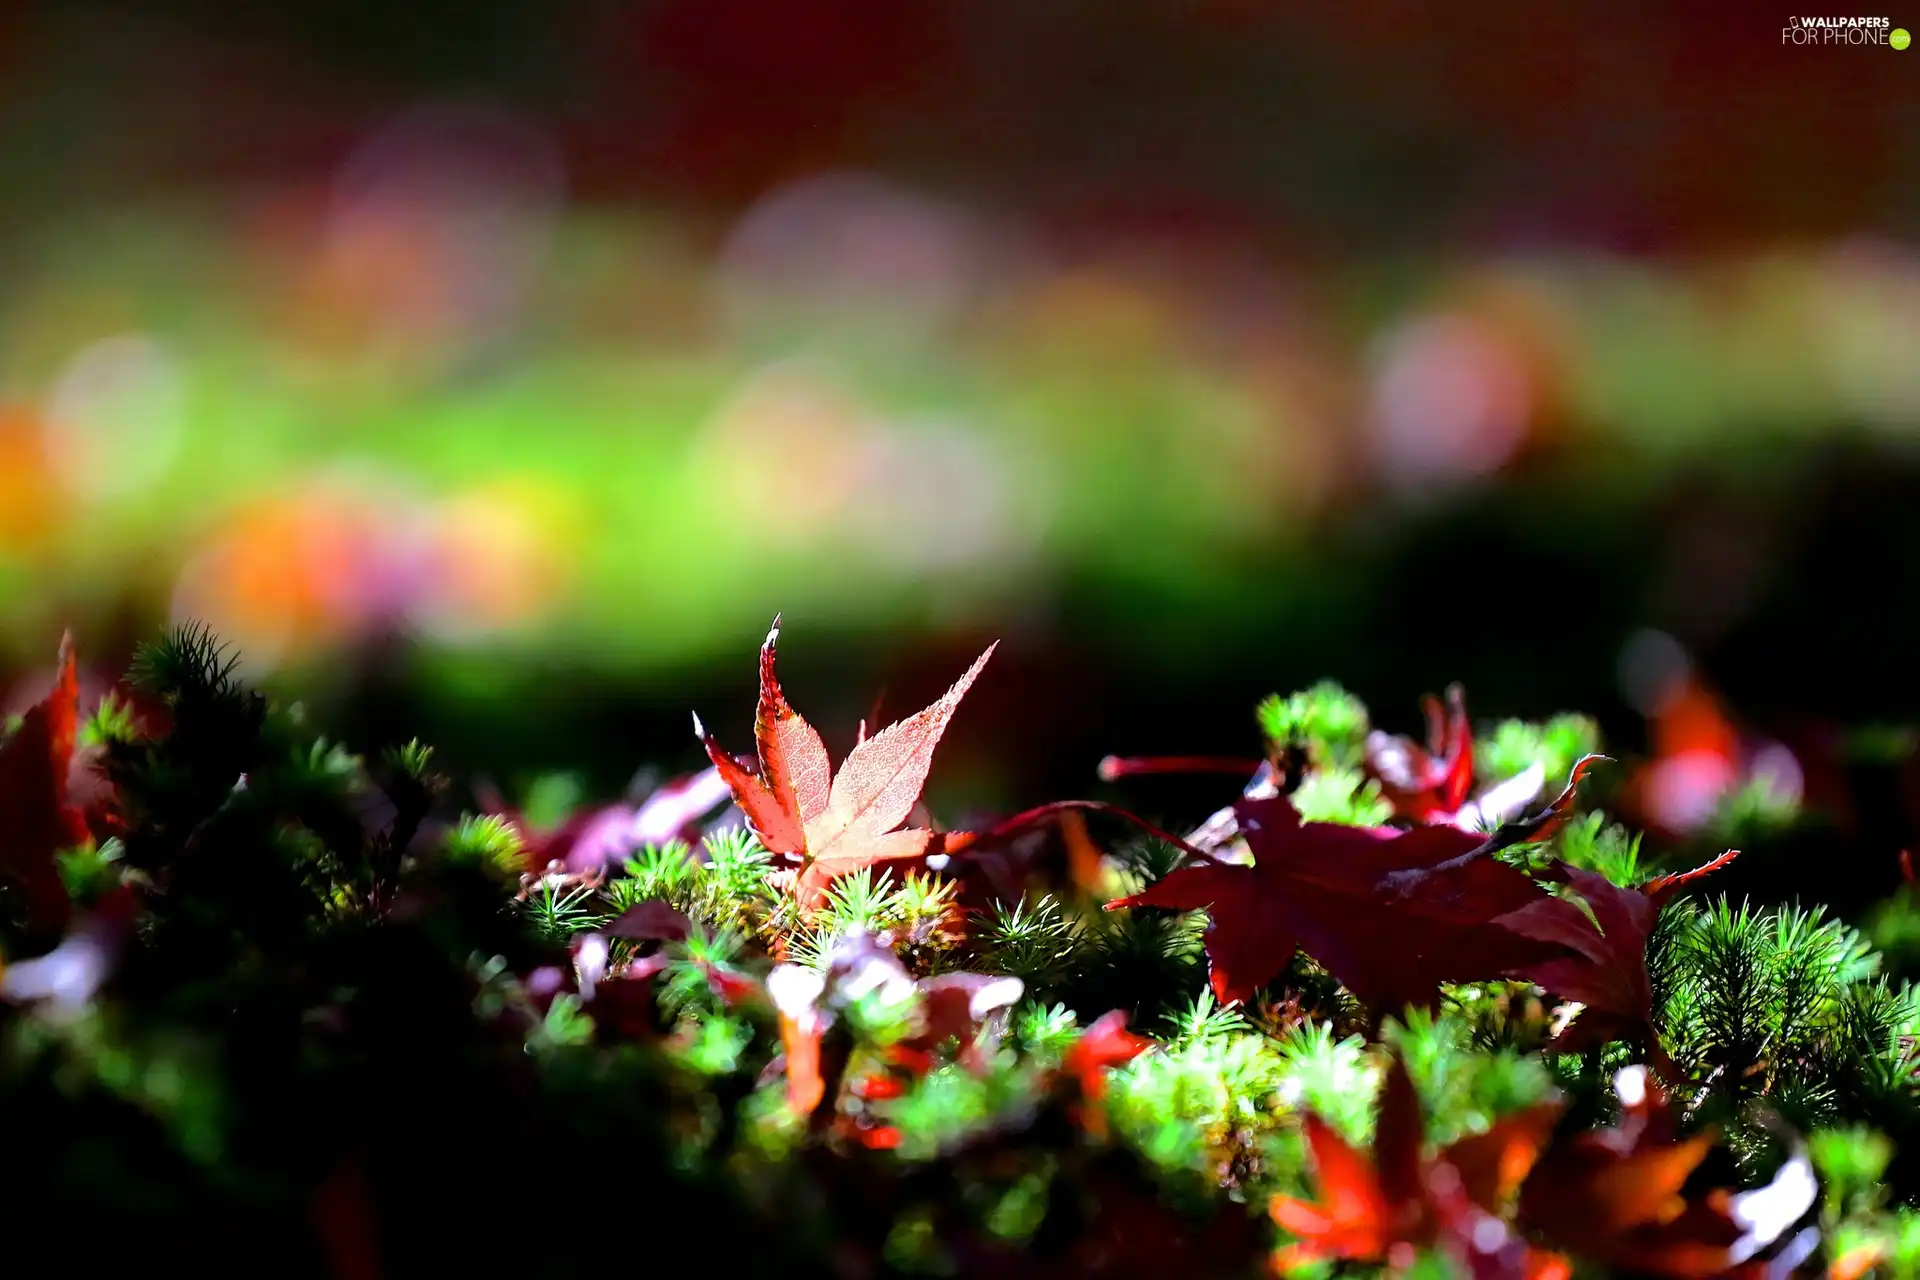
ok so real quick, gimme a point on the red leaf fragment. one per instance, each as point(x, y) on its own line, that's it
point(36, 819)
point(955, 1006)
point(949, 1007)
point(878, 1086)
point(1134, 1234)
point(1105, 1043)
point(1113, 768)
point(1034, 818)
point(1618, 1196)
point(1386, 1208)
point(874, 1137)
point(624, 1007)
point(1425, 783)
point(777, 827)
point(652, 921)
point(1696, 759)
point(1085, 861)
point(846, 857)
point(346, 1226)
point(1857, 1262)
point(878, 783)
point(1540, 827)
point(1664, 887)
point(733, 989)
point(1547, 822)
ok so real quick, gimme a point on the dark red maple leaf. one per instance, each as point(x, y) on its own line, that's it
point(1133, 1233)
point(1603, 968)
point(1387, 1207)
point(835, 823)
point(37, 820)
point(341, 1209)
point(1392, 914)
point(625, 1007)
point(1619, 1196)
point(651, 921)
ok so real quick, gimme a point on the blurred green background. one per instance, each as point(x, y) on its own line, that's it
point(496, 372)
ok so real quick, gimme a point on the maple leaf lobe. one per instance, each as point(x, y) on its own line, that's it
point(880, 779)
point(793, 759)
point(775, 825)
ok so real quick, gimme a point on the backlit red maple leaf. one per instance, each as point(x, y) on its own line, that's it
point(834, 823)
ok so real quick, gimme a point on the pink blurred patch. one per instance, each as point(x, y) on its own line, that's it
point(597, 838)
point(604, 836)
point(1683, 790)
point(673, 810)
point(1452, 400)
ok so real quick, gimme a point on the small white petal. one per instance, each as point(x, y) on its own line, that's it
point(795, 989)
point(998, 994)
point(1766, 1212)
